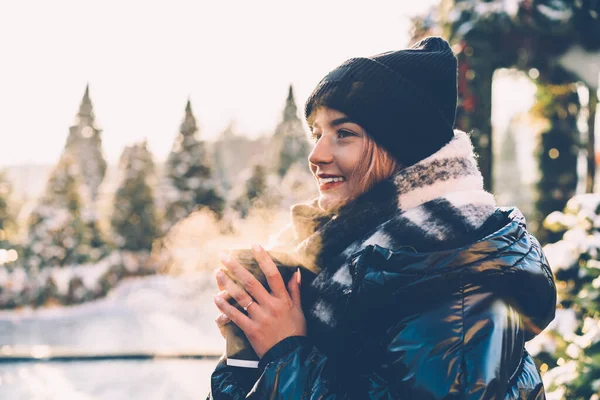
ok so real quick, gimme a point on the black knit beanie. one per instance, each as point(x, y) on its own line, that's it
point(405, 99)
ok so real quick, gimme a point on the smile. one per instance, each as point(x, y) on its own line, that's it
point(329, 180)
point(330, 183)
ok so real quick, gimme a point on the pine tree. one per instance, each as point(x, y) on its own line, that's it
point(191, 184)
point(134, 219)
point(570, 351)
point(47, 293)
point(289, 139)
point(85, 144)
point(256, 192)
point(222, 159)
point(77, 292)
point(57, 233)
point(9, 250)
point(257, 184)
point(7, 221)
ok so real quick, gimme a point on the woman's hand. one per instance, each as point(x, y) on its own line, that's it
point(271, 317)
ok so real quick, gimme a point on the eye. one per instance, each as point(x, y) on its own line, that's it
point(342, 133)
point(315, 136)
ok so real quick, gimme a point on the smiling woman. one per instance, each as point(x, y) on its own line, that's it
point(423, 288)
point(345, 159)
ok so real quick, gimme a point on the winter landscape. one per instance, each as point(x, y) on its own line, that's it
point(111, 228)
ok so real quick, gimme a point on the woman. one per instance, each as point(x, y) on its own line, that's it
point(426, 289)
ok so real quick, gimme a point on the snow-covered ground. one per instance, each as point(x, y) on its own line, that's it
point(107, 380)
point(149, 314)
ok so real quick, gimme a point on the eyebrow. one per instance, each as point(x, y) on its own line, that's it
point(342, 120)
point(335, 122)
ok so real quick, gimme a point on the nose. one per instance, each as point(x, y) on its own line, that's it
point(321, 153)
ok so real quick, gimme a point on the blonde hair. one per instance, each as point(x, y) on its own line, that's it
point(375, 165)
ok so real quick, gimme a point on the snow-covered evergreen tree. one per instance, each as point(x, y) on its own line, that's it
point(77, 292)
point(222, 159)
point(290, 140)
point(47, 293)
point(57, 233)
point(85, 145)
point(569, 351)
point(8, 228)
point(191, 184)
point(134, 218)
point(258, 191)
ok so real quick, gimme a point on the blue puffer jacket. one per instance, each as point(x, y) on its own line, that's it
point(447, 324)
point(425, 290)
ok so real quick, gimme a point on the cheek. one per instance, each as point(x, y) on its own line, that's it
point(351, 163)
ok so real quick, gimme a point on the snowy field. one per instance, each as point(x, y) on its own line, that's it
point(111, 380)
point(157, 314)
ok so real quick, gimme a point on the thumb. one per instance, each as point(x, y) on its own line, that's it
point(294, 288)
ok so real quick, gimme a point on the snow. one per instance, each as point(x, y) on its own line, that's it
point(565, 322)
point(555, 14)
point(90, 274)
point(558, 394)
point(580, 220)
point(511, 7)
point(561, 375)
point(157, 379)
point(488, 8)
point(542, 343)
point(579, 248)
point(149, 314)
point(561, 255)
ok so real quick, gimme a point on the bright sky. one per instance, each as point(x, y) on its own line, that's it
point(142, 59)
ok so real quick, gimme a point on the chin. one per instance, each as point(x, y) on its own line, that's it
point(330, 204)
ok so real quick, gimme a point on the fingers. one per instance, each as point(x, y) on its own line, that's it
point(271, 272)
point(224, 294)
point(294, 288)
point(218, 284)
point(235, 315)
point(221, 321)
point(246, 279)
point(236, 292)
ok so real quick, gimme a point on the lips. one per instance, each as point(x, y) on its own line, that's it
point(327, 182)
point(331, 179)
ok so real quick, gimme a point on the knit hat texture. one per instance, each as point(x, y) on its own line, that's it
point(405, 99)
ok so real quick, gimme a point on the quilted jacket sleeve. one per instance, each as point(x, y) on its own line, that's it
point(231, 383)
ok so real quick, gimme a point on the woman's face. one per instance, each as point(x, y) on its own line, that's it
point(337, 151)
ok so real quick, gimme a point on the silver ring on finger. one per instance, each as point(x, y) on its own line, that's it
point(248, 305)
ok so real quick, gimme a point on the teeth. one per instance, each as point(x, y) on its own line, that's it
point(328, 180)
